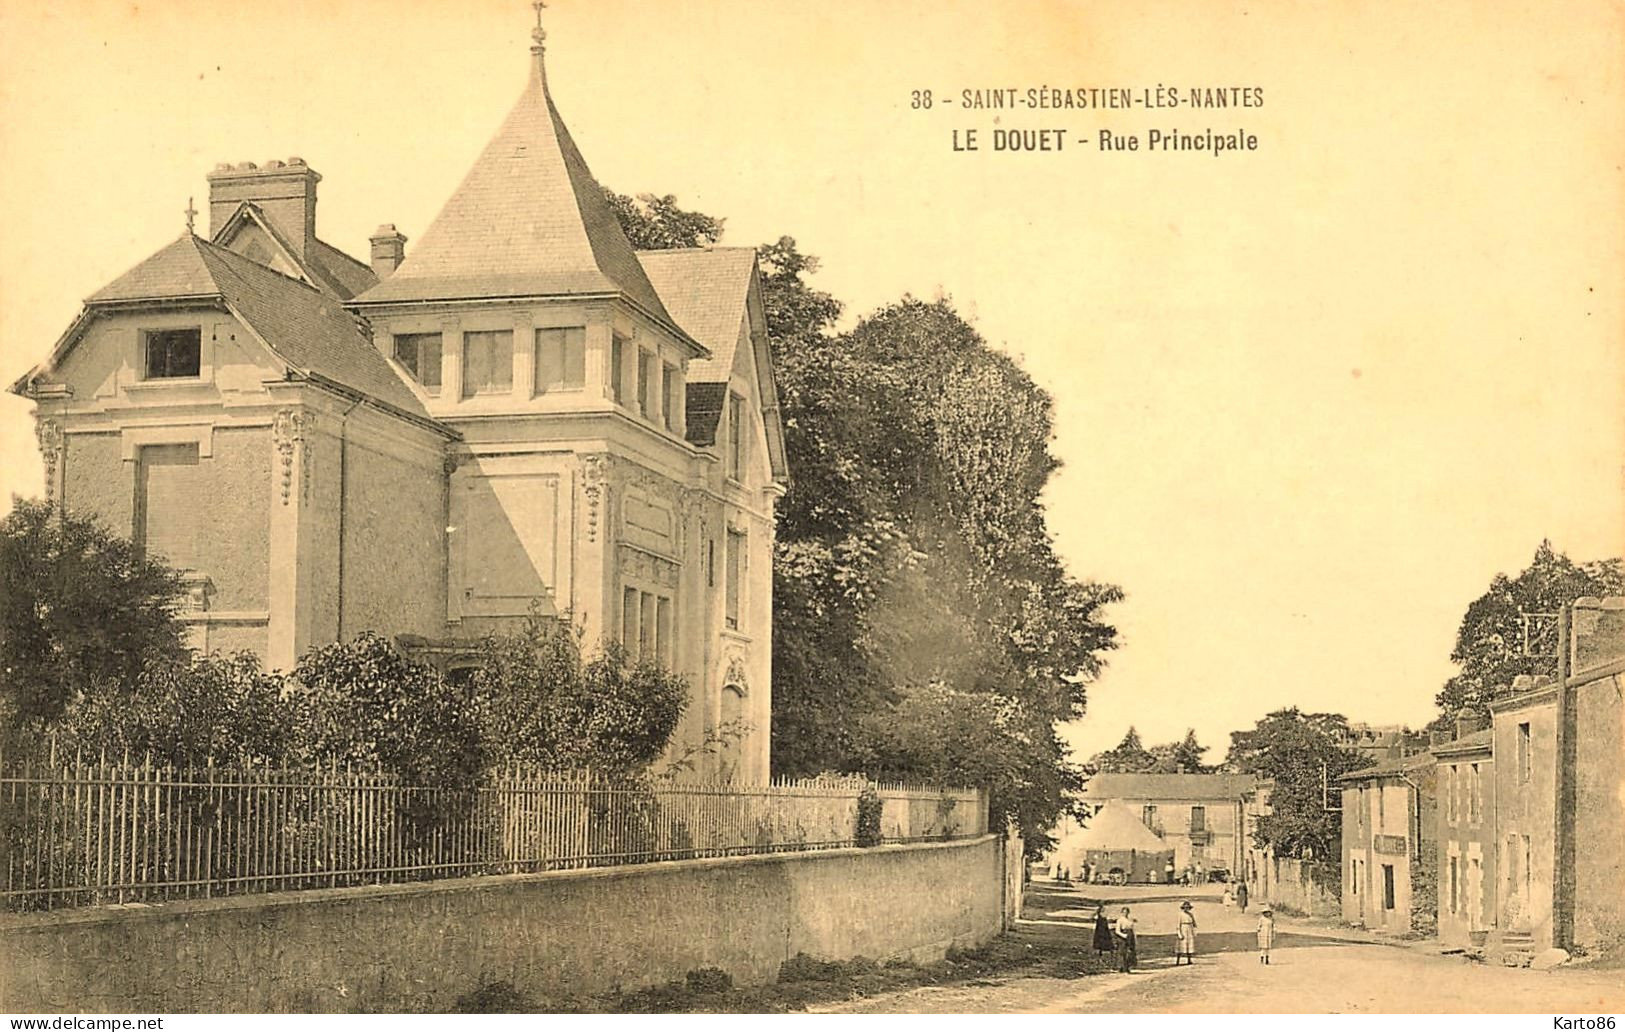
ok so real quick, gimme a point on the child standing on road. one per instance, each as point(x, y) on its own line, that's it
point(1266, 935)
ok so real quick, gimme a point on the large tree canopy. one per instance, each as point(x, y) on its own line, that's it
point(1302, 755)
point(80, 609)
point(1495, 644)
point(923, 624)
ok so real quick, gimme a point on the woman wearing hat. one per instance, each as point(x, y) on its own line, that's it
point(1266, 934)
point(1185, 945)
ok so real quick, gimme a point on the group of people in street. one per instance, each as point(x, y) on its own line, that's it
point(1118, 936)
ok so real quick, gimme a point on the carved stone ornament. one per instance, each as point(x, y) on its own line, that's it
point(651, 569)
point(734, 677)
point(594, 487)
point(288, 431)
point(49, 434)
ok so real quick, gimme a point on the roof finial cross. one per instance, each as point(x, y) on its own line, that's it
point(538, 34)
point(191, 212)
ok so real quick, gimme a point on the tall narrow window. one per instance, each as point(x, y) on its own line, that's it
point(670, 395)
point(419, 354)
point(166, 517)
point(1387, 886)
point(1198, 818)
point(736, 436)
point(617, 369)
point(663, 632)
point(487, 362)
point(174, 353)
point(1148, 817)
point(630, 617)
point(1523, 753)
point(1450, 795)
point(561, 359)
point(1475, 798)
point(645, 388)
point(735, 574)
point(648, 644)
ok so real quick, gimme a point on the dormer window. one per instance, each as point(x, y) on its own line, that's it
point(419, 355)
point(174, 354)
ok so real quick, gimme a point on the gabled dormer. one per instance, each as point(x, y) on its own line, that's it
point(268, 213)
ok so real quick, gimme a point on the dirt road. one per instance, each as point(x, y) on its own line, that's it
point(1311, 971)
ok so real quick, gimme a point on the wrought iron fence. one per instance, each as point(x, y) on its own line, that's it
point(83, 833)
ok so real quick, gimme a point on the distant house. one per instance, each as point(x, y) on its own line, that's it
point(1385, 742)
point(1388, 823)
point(1199, 816)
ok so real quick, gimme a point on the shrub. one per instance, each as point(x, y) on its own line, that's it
point(709, 980)
point(870, 808)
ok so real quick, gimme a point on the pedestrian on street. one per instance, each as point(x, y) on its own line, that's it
point(1127, 950)
point(1266, 934)
point(1241, 896)
point(1168, 872)
point(1103, 931)
point(1185, 945)
point(1229, 899)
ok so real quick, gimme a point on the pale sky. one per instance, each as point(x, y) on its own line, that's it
point(1309, 398)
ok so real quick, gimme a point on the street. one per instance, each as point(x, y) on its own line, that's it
point(1312, 970)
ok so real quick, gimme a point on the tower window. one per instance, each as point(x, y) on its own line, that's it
point(172, 354)
point(487, 362)
point(561, 359)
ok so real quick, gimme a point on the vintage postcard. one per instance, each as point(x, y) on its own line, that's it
point(733, 506)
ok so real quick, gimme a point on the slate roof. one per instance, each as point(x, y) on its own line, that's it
point(1391, 768)
point(705, 289)
point(527, 220)
point(328, 266)
point(1169, 786)
point(306, 328)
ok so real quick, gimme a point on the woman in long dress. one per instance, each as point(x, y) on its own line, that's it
point(1266, 935)
point(1127, 950)
point(1103, 931)
point(1185, 945)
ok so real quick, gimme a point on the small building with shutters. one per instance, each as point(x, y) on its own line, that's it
point(1390, 837)
point(1200, 817)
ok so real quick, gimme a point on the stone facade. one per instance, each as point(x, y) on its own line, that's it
point(1199, 816)
point(1389, 824)
point(523, 413)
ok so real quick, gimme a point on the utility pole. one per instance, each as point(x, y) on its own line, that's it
point(1563, 858)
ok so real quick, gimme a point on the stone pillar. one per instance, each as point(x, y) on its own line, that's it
point(288, 632)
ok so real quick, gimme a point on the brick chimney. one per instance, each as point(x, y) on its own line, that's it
point(284, 190)
point(1468, 721)
point(388, 249)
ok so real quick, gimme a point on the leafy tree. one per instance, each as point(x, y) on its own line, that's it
point(1296, 751)
point(912, 551)
point(79, 607)
point(657, 223)
point(1490, 645)
point(1129, 757)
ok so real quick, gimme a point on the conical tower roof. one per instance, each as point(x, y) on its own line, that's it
point(528, 220)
